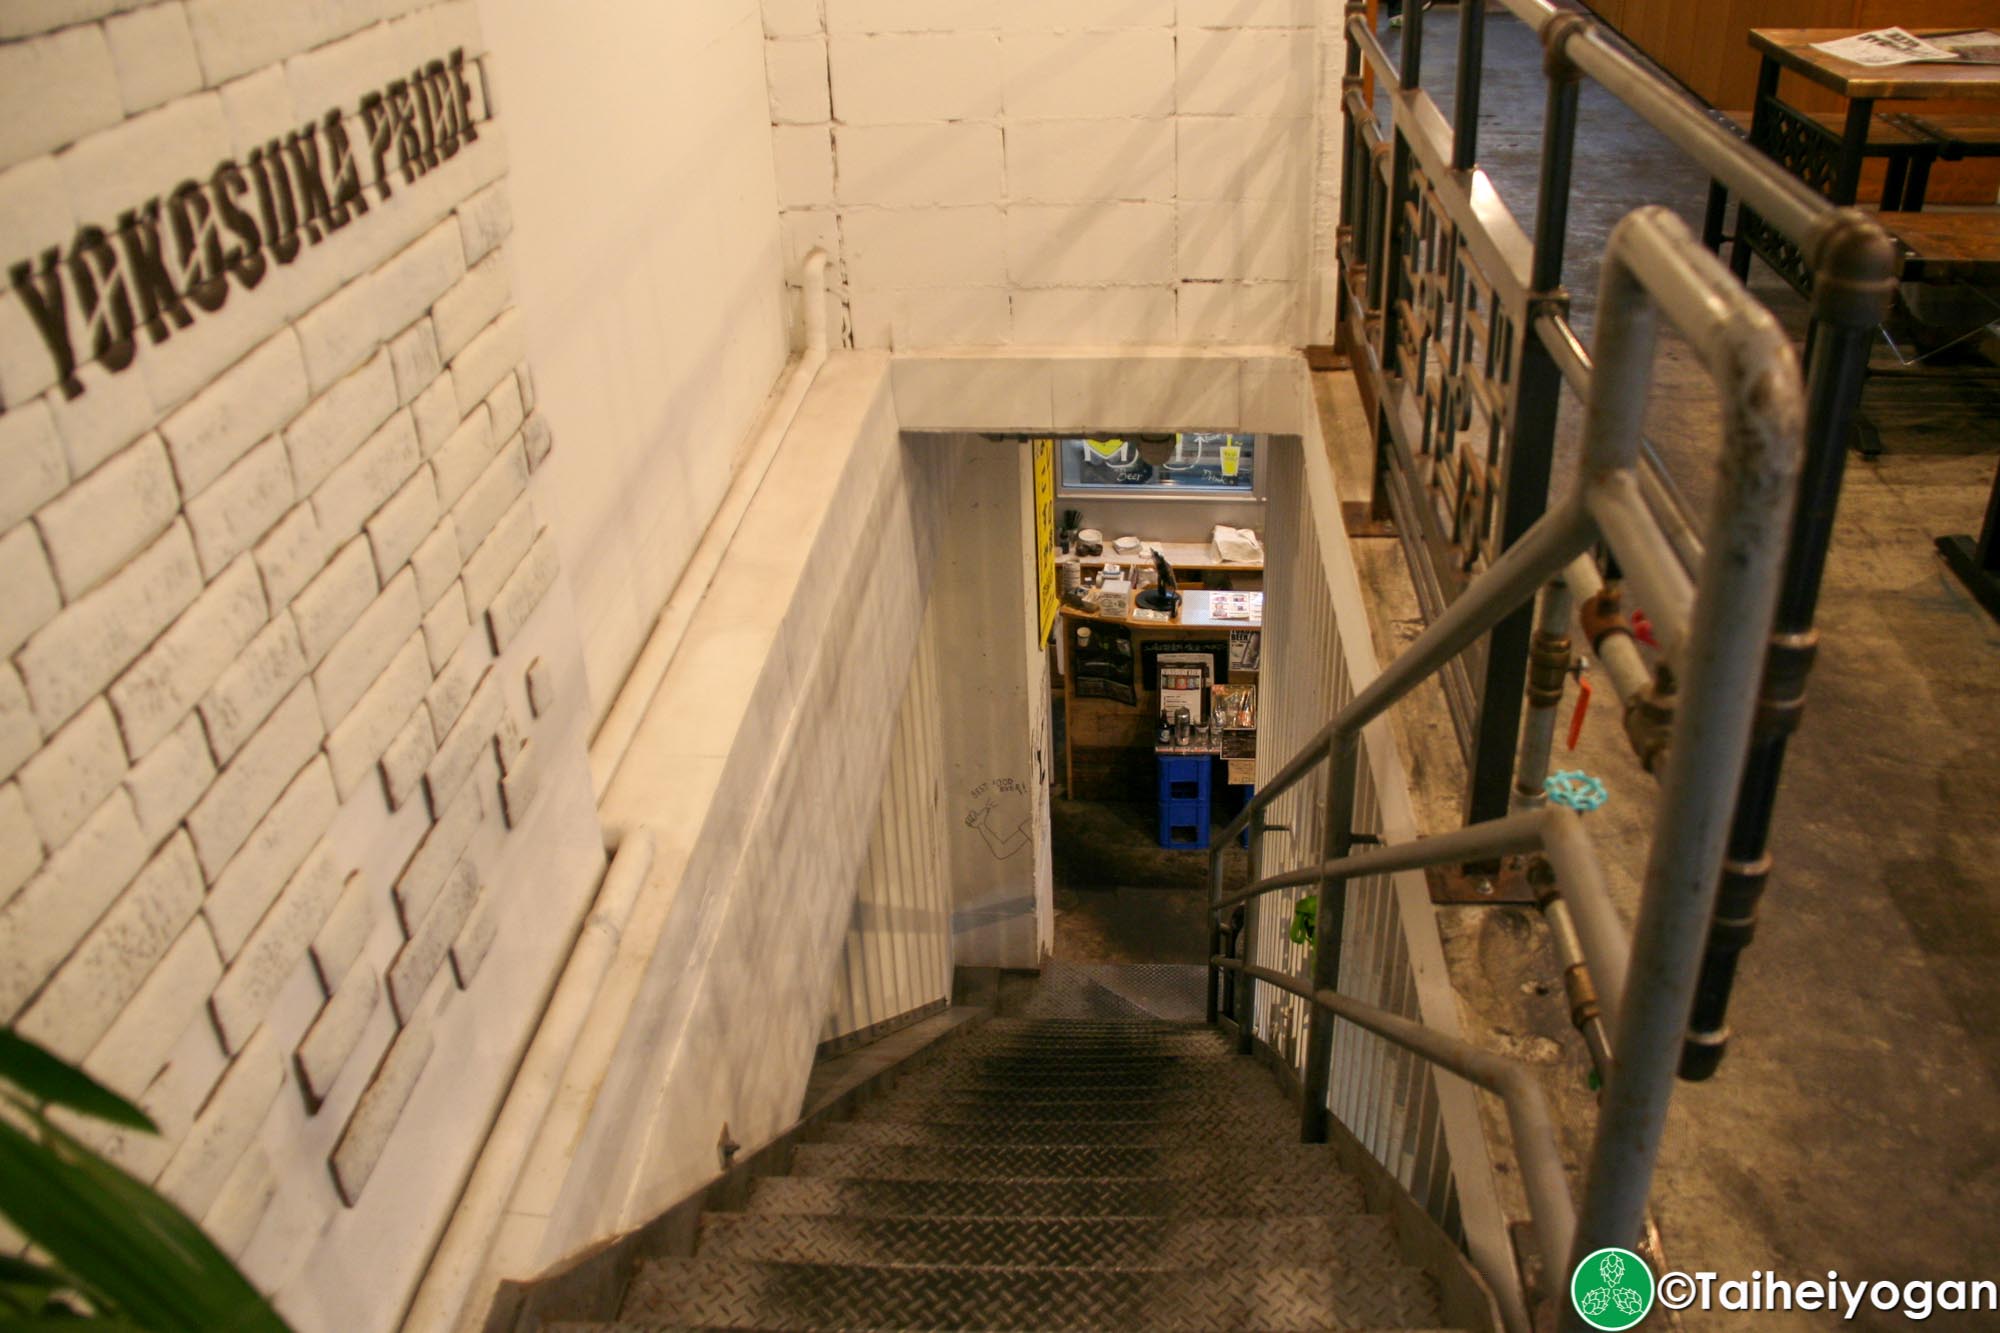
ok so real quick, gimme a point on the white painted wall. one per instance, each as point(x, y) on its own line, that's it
point(647, 243)
point(760, 766)
point(1066, 172)
point(995, 704)
point(897, 958)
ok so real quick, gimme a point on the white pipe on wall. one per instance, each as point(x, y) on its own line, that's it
point(621, 724)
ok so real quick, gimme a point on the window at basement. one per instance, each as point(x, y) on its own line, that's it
point(1198, 462)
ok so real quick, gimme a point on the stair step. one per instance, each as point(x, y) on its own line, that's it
point(1059, 1053)
point(1264, 1195)
point(1103, 1095)
point(866, 1161)
point(1176, 1105)
point(748, 1294)
point(1006, 1023)
point(1085, 1083)
point(1197, 1039)
point(1148, 1244)
point(1136, 1133)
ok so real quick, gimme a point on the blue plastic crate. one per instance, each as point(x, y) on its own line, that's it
point(1185, 777)
point(1184, 824)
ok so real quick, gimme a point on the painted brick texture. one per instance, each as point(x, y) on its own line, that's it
point(249, 461)
point(1052, 174)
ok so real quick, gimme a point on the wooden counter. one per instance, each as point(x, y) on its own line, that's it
point(1107, 743)
point(1195, 613)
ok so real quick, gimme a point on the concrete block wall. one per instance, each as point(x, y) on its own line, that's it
point(287, 853)
point(1087, 173)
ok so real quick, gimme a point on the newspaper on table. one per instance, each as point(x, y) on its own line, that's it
point(1975, 46)
point(1886, 46)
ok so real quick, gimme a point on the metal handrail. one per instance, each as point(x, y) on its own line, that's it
point(1851, 261)
point(1653, 266)
point(1555, 832)
point(1528, 1114)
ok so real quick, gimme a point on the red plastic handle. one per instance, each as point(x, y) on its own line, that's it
point(1582, 705)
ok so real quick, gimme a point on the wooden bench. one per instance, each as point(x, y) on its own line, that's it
point(1947, 247)
point(1957, 136)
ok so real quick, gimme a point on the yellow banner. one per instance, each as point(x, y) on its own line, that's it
point(1045, 533)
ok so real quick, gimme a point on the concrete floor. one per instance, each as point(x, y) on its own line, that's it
point(1122, 898)
point(1854, 1124)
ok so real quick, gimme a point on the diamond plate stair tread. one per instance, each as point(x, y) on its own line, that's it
point(1123, 1243)
point(866, 1161)
point(1268, 1195)
point(1158, 1111)
point(1084, 1052)
point(1137, 1133)
point(1248, 1094)
point(1001, 1029)
point(748, 1294)
point(654, 1326)
point(947, 1110)
point(1010, 1023)
point(975, 1081)
point(920, 1105)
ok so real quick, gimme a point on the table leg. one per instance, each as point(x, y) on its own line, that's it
point(1760, 138)
point(1711, 223)
point(1853, 146)
point(1977, 563)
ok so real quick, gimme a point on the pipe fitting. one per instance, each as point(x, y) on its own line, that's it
point(1854, 270)
point(1783, 699)
point(1601, 616)
point(1649, 721)
point(1556, 37)
point(1582, 995)
point(1549, 661)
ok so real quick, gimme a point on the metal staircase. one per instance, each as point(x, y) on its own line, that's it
point(1091, 1167)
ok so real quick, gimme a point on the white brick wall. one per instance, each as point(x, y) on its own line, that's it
point(232, 574)
point(1047, 172)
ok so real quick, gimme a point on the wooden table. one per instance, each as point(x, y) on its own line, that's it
point(1829, 162)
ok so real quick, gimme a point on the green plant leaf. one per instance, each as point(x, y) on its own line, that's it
point(128, 1251)
point(26, 1289)
point(48, 1080)
point(1305, 919)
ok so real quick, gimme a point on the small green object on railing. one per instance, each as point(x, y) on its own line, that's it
point(1305, 917)
point(1576, 790)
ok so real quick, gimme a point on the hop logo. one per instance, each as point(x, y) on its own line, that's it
point(1612, 1289)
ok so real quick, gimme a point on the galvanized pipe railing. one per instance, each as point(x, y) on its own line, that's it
point(1652, 267)
point(1554, 832)
point(1528, 1115)
point(1851, 261)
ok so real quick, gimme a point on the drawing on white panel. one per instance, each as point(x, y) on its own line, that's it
point(1000, 813)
